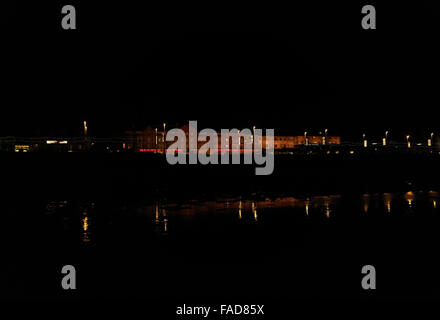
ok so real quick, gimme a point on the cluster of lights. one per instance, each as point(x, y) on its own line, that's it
point(408, 141)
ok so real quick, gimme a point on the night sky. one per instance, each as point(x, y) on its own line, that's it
point(291, 68)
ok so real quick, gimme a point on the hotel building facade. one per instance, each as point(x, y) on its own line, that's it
point(153, 140)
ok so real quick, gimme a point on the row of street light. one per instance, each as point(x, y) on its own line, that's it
point(408, 141)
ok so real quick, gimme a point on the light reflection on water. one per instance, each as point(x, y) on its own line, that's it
point(254, 230)
point(87, 222)
point(249, 211)
point(387, 198)
point(410, 197)
point(85, 237)
point(161, 219)
point(406, 200)
point(238, 209)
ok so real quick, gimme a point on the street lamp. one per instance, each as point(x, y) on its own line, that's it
point(430, 140)
point(407, 141)
point(164, 132)
point(325, 136)
point(385, 139)
point(365, 140)
point(155, 130)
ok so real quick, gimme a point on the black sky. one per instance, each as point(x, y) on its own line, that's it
point(291, 67)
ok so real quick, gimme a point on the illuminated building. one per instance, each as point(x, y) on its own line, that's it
point(21, 148)
point(153, 140)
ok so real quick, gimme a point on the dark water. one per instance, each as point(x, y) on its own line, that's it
point(308, 246)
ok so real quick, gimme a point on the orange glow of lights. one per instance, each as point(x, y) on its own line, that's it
point(327, 211)
point(254, 210)
point(85, 223)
